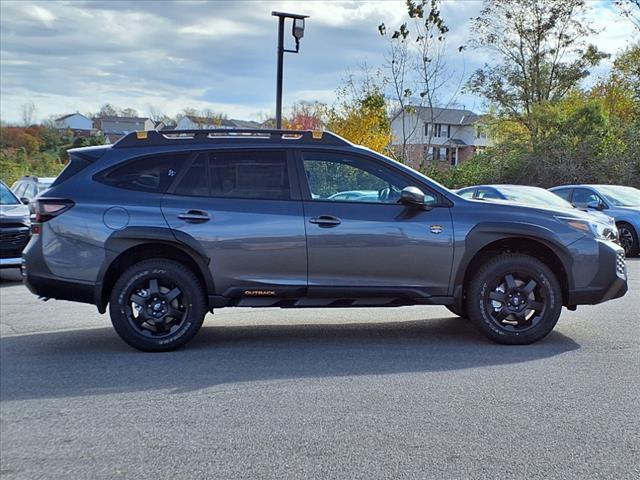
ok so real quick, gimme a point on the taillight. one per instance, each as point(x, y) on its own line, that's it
point(48, 208)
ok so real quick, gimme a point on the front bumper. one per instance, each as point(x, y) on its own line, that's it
point(610, 280)
point(13, 239)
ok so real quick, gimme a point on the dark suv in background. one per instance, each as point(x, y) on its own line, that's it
point(15, 228)
point(162, 227)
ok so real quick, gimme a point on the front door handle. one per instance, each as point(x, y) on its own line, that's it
point(325, 221)
point(194, 216)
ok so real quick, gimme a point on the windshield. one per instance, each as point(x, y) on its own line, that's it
point(6, 197)
point(534, 196)
point(621, 196)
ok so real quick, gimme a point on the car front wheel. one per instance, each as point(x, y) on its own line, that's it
point(628, 239)
point(515, 299)
point(157, 305)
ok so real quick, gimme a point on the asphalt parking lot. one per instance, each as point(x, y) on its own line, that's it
point(408, 392)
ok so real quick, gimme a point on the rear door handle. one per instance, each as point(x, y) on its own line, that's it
point(194, 216)
point(326, 221)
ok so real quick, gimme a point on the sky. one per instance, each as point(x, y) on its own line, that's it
point(68, 56)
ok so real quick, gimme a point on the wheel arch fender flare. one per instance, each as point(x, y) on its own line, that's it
point(127, 239)
point(485, 234)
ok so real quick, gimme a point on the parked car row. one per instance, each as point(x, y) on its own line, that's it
point(611, 204)
point(16, 207)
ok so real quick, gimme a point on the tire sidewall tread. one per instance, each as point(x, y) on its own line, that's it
point(497, 266)
point(147, 268)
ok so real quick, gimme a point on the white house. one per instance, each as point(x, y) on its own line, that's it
point(114, 128)
point(446, 136)
point(76, 122)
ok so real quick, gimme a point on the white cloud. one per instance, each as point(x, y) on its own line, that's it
point(46, 17)
point(219, 27)
point(218, 55)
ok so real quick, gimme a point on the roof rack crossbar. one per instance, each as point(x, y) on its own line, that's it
point(153, 138)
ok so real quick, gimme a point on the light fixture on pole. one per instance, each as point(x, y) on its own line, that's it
point(297, 30)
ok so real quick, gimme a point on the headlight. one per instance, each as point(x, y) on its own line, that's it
point(599, 230)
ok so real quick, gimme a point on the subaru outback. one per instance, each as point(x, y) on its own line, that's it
point(162, 227)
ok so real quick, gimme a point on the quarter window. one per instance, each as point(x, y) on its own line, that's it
point(564, 193)
point(147, 174)
point(467, 194)
point(487, 194)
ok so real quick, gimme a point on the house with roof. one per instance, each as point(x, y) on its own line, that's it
point(193, 122)
point(80, 125)
point(114, 128)
point(441, 136)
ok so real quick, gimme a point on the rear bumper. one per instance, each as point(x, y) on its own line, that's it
point(40, 281)
point(610, 281)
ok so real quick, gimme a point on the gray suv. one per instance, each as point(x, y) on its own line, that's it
point(162, 227)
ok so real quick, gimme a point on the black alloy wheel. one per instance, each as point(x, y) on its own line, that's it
point(156, 308)
point(628, 239)
point(514, 298)
point(157, 305)
point(515, 301)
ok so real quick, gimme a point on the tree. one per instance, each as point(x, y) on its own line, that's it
point(128, 112)
point(28, 142)
point(360, 114)
point(541, 50)
point(417, 64)
point(631, 10)
point(108, 110)
point(306, 116)
point(28, 111)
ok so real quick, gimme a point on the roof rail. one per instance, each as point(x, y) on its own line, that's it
point(154, 138)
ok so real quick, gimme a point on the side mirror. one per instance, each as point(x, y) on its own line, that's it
point(25, 200)
point(412, 196)
point(595, 205)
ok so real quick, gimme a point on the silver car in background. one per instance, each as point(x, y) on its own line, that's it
point(527, 195)
point(620, 202)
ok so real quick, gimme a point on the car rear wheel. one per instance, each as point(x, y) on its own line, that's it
point(628, 239)
point(157, 305)
point(515, 299)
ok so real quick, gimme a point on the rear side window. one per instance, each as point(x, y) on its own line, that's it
point(147, 174)
point(251, 174)
point(195, 182)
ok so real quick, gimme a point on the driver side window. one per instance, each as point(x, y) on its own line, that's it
point(344, 178)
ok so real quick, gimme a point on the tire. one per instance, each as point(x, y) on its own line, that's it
point(157, 305)
point(459, 312)
point(500, 292)
point(628, 239)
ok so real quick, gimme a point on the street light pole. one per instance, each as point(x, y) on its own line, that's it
point(297, 31)
point(279, 72)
